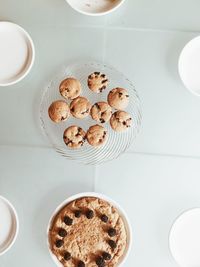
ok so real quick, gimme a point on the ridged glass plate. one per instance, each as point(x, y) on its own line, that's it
point(117, 143)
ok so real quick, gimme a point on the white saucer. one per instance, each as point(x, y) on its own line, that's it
point(17, 53)
point(9, 225)
point(184, 239)
point(189, 66)
point(95, 7)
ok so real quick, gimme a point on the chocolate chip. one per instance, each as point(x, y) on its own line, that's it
point(72, 109)
point(100, 261)
point(104, 218)
point(79, 131)
point(81, 264)
point(102, 120)
point(112, 232)
point(90, 77)
point(102, 88)
point(90, 214)
point(63, 118)
point(120, 94)
point(87, 110)
point(67, 256)
point(96, 73)
point(103, 75)
point(124, 123)
point(59, 243)
point(62, 232)
point(104, 81)
point(68, 220)
point(112, 244)
point(106, 256)
point(78, 213)
point(127, 95)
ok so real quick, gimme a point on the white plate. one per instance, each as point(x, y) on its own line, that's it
point(184, 239)
point(189, 66)
point(16, 53)
point(9, 225)
point(112, 202)
point(95, 7)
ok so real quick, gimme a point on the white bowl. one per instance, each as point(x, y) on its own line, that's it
point(9, 225)
point(103, 197)
point(189, 66)
point(17, 53)
point(184, 239)
point(95, 7)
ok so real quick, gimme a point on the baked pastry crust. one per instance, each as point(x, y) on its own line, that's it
point(120, 121)
point(59, 111)
point(70, 88)
point(74, 136)
point(80, 107)
point(88, 239)
point(118, 98)
point(97, 135)
point(101, 112)
point(97, 82)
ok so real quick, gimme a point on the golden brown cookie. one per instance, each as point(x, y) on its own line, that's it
point(70, 88)
point(74, 136)
point(59, 111)
point(101, 112)
point(120, 121)
point(80, 107)
point(118, 98)
point(97, 135)
point(97, 82)
point(88, 232)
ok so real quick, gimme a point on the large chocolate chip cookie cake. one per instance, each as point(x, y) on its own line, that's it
point(88, 232)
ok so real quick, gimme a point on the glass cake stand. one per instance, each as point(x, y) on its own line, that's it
point(117, 143)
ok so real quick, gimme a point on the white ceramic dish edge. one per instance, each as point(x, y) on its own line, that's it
point(180, 65)
point(172, 227)
point(16, 225)
point(98, 13)
point(32, 55)
point(101, 196)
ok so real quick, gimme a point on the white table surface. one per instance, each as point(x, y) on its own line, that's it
point(158, 178)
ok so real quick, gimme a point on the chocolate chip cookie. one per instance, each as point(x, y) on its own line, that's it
point(97, 82)
point(79, 237)
point(74, 136)
point(101, 112)
point(80, 107)
point(59, 111)
point(120, 121)
point(70, 88)
point(118, 98)
point(97, 135)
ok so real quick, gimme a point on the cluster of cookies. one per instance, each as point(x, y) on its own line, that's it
point(80, 107)
point(88, 232)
